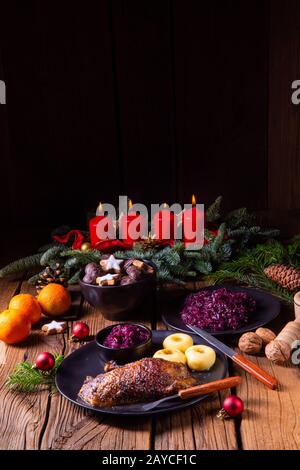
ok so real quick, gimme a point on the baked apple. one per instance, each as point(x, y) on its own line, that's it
point(200, 357)
point(179, 341)
point(173, 355)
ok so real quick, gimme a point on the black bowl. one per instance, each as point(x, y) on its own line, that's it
point(115, 302)
point(123, 355)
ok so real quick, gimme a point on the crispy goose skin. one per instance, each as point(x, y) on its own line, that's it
point(141, 381)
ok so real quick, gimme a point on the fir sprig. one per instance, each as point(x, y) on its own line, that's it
point(27, 378)
point(213, 213)
point(21, 265)
point(248, 268)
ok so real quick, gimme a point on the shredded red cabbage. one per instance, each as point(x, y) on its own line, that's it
point(126, 336)
point(218, 310)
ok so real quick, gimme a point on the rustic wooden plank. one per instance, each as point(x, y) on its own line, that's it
point(71, 427)
point(8, 289)
point(23, 416)
point(271, 419)
point(197, 428)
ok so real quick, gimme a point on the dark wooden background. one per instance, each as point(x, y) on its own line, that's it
point(157, 99)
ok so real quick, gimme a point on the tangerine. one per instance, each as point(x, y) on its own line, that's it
point(54, 299)
point(27, 306)
point(14, 327)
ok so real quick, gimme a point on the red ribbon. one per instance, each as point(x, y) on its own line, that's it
point(77, 242)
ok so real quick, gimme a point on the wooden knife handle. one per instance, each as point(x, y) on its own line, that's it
point(256, 371)
point(209, 387)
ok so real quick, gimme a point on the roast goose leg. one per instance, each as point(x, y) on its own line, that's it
point(141, 381)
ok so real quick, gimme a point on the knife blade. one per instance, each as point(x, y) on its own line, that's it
point(240, 360)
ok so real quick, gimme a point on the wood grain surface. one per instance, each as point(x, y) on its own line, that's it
point(271, 418)
point(42, 421)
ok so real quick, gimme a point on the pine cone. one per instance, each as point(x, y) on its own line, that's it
point(286, 276)
point(50, 275)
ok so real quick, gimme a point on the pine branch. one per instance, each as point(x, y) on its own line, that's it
point(51, 253)
point(21, 265)
point(82, 258)
point(203, 267)
point(268, 233)
point(26, 378)
point(164, 275)
point(169, 256)
point(44, 248)
point(213, 212)
point(74, 279)
point(179, 247)
point(294, 251)
point(218, 240)
point(248, 268)
point(256, 280)
point(180, 271)
point(238, 217)
point(72, 263)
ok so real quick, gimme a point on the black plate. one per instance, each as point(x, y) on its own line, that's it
point(268, 308)
point(87, 361)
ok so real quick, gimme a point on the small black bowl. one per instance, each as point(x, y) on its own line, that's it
point(123, 355)
point(114, 302)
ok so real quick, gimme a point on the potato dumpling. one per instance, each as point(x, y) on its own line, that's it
point(200, 357)
point(179, 341)
point(172, 355)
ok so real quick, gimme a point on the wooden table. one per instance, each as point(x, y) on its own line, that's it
point(43, 421)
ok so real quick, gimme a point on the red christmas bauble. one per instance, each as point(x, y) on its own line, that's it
point(45, 361)
point(233, 405)
point(80, 330)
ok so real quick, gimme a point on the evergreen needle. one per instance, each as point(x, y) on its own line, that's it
point(27, 378)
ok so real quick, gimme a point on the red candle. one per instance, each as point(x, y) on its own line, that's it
point(130, 224)
point(192, 220)
point(99, 224)
point(163, 224)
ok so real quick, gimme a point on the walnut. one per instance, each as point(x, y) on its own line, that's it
point(250, 343)
point(266, 335)
point(278, 351)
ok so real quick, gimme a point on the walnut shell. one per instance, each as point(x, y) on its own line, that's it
point(278, 351)
point(266, 335)
point(250, 343)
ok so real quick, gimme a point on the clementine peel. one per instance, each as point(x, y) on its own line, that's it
point(54, 300)
point(14, 327)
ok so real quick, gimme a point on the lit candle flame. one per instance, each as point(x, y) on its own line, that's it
point(100, 207)
point(129, 204)
point(165, 205)
point(193, 200)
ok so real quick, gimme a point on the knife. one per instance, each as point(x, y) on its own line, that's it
point(198, 390)
point(240, 360)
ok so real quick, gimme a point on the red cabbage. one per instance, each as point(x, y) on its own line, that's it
point(218, 310)
point(126, 336)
